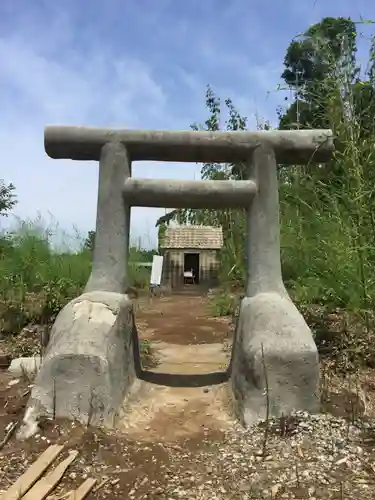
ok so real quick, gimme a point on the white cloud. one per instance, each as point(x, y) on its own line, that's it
point(93, 90)
point(48, 89)
point(131, 64)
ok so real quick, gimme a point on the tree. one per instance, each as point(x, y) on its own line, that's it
point(162, 228)
point(231, 221)
point(311, 62)
point(325, 210)
point(7, 198)
point(90, 241)
point(329, 208)
point(323, 75)
point(211, 171)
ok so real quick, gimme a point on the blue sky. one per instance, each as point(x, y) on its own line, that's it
point(137, 64)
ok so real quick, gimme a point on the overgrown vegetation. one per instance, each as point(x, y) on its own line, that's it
point(36, 280)
point(7, 197)
point(327, 211)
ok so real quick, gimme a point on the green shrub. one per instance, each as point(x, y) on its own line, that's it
point(38, 280)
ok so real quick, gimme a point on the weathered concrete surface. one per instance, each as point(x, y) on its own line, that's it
point(291, 146)
point(28, 365)
point(196, 194)
point(263, 270)
point(110, 259)
point(290, 358)
point(89, 365)
point(268, 317)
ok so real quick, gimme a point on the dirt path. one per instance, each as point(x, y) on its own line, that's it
point(185, 396)
point(181, 319)
point(181, 409)
point(178, 440)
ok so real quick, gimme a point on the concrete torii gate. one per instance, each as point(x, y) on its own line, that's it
point(92, 362)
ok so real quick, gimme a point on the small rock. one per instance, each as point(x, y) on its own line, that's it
point(304, 425)
point(26, 365)
point(13, 382)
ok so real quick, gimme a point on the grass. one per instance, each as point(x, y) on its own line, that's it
point(37, 279)
point(326, 220)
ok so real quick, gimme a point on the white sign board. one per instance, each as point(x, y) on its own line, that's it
point(156, 270)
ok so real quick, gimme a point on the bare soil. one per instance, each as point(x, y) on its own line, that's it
point(180, 405)
point(181, 319)
point(178, 439)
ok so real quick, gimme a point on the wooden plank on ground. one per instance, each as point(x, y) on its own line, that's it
point(83, 490)
point(49, 482)
point(9, 434)
point(33, 473)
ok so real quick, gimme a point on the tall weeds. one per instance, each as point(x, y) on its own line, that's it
point(326, 211)
point(327, 215)
point(37, 280)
